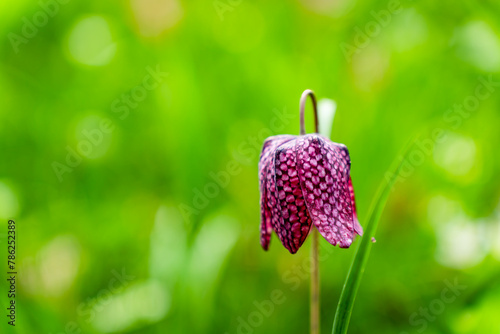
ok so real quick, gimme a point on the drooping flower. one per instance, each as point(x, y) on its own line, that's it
point(305, 181)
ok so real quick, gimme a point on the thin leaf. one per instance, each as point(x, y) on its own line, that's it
point(346, 302)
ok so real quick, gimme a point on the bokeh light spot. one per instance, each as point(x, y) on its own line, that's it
point(59, 263)
point(147, 301)
point(154, 17)
point(334, 8)
point(410, 30)
point(456, 155)
point(370, 67)
point(90, 42)
point(10, 203)
point(479, 45)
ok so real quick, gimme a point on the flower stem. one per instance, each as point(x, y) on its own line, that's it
point(303, 99)
point(314, 283)
point(314, 247)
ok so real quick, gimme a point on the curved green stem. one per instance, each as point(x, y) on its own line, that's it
point(314, 302)
point(303, 100)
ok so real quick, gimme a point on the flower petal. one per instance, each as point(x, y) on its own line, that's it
point(267, 186)
point(323, 168)
point(357, 227)
point(294, 222)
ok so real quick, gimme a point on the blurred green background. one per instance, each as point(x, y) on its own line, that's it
point(117, 117)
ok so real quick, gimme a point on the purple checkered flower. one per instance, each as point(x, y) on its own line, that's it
point(304, 182)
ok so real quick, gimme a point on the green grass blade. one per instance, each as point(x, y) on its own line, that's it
point(351, 285)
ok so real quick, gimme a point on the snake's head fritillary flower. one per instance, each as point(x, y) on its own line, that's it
point(304, 182)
